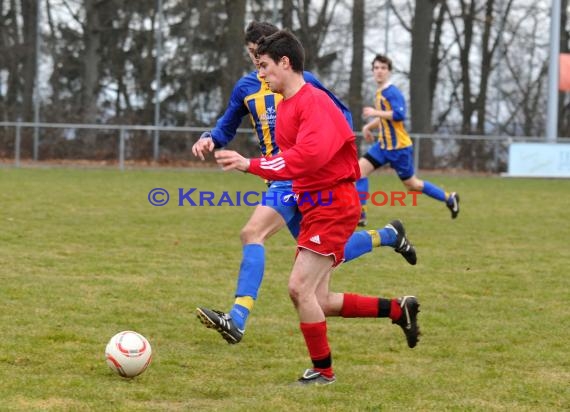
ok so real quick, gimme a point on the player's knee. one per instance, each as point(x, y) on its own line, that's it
point(250, 234)
point(297, 292)
point(294, 293)
point(413, 184)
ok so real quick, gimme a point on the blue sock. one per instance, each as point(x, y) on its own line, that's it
point(362, 187)
point(239, 315)
point(387, 237)
point(433, 191)
point(358, 244)
point(249, 281)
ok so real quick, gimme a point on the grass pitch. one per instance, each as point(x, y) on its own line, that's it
point(84, 255)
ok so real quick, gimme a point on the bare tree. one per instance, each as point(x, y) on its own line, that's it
point(525, 64)
point(30, 16)
point(420, 74)
point(356, 67)
point(233, 45)
point(91, 59)
point(423, 73)
point(287, 14)
point(314, 23)
point(102, 56)
point(12, 49)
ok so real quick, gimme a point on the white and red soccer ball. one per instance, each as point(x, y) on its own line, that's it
point(128, 353)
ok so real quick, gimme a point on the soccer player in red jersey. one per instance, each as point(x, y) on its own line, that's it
point(252, 97)
point(319, 155)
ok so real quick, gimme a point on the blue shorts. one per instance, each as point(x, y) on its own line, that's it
point(401, 160)
point(280, 197)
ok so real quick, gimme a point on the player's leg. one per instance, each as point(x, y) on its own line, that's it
point(451, 199)
point(403, 163)
point(263, 223)
point(392, 235)
point(276, 209)
point(316, 256)
point(308, 272)
point(372, 160)
point(402, 311)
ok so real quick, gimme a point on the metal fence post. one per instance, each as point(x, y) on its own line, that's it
point(122, 149)
point(417, 153)
point(158, 70)
point(496, 155)
point(17, 146)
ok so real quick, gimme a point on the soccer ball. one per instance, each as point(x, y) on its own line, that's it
point(128, 353)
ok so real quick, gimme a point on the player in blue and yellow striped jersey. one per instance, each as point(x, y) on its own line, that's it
point(252, 97)
point(394, 146)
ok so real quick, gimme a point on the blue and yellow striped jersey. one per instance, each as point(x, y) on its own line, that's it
point(392, 134)
point(251, 96)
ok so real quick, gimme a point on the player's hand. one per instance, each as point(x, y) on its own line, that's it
point(368, 136)
point(204, 145)
point(369, 112)
point(231, 160)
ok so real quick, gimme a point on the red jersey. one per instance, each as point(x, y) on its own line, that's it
point(318, 146)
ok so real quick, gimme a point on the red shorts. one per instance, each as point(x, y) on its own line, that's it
point(329, 219)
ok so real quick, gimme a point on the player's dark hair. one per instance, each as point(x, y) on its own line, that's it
point(283, 43)
point(382, 59)
point(256, 30)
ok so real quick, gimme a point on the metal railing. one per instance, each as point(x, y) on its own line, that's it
point(499, 144)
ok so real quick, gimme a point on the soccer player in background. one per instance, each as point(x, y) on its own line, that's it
point(252, 96)
point(394, 146)
point(319, 155)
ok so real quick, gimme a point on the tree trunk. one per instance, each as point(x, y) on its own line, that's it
point(287, 16)
point(356, 67)
point(29, 15)
point(468, 20)
point(420, 105)
point(486, 59)
point(90, 62)
point(233, 46)
point(435, 59)
point(14, 44)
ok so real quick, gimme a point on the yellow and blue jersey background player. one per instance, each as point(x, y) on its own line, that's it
point(393, 145)
point(392, 134)
point(252, 97)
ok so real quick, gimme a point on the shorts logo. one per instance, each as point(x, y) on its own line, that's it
point(316, 239)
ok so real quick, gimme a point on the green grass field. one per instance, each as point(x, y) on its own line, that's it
point(83, 255)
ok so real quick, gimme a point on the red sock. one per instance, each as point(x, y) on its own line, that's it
point(395, 310)
point(315, 335)
point(359, 306)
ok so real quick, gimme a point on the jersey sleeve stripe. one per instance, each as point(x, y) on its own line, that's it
point(277, 163)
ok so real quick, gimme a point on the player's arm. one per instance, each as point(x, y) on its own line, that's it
point(226, 126)
point(310, 152)
point(205, 144)
point(397, 104)
point(372, 112)
point(300, 160)
point(291, 164)
point(368, 127)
